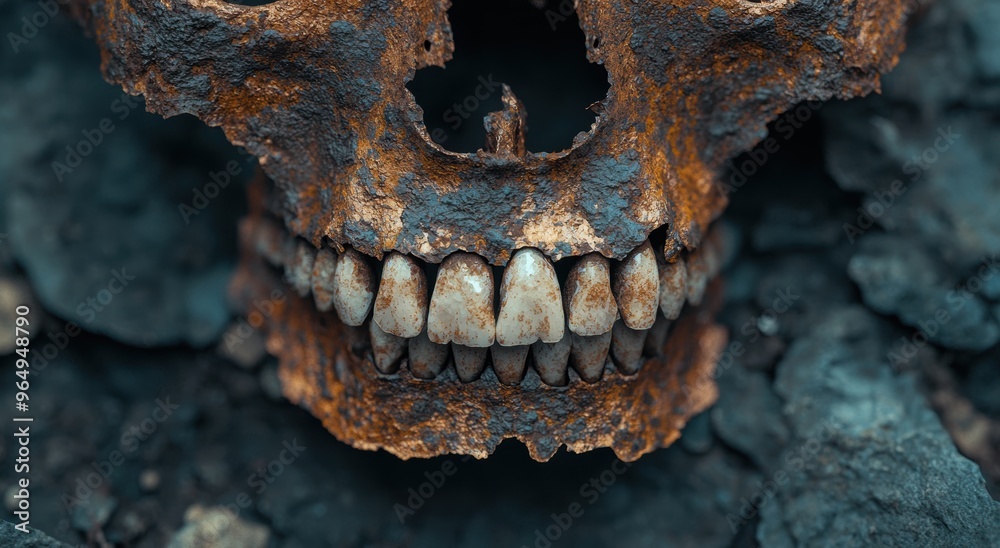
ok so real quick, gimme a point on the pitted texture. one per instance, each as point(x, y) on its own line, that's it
point(316, 90)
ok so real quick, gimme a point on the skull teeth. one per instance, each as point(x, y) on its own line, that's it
point(605, 316)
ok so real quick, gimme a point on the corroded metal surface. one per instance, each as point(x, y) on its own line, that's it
point(316, 89)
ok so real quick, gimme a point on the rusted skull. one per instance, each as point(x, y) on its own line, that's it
point(437, 302)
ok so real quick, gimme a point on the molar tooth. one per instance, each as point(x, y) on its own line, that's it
point(401, 304)
point(637, 287)
point(387, 348)
point(461, 309)
point(697, 276)
point(298, 271)
point(590, 304)
point(530, 304)
point(354, 288)
point(509, 363)
point(322, 279)
point(552, 361)
point(427, 359)
point(673, 288)
point(626, 348)
point(469, 362)
point(589, 355)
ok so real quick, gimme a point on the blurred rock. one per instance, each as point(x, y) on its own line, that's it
point(217, 527)
point(13, 538)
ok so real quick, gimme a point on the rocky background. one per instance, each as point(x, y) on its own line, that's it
point(860, 395)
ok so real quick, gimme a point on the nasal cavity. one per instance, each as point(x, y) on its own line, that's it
point(536, 48)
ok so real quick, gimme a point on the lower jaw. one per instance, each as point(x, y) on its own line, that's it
point(328, 368)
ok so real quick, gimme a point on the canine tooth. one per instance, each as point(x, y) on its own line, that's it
point(552, 361)
point(461, 309)
point(673, 288)
point(354, 288)
point(697, 277)
point(530, 304)
point(387, 348)
point(427, 359)
point(322, 279)
point(590, 304)
point(637, 287)
point(626, 347)
point(298, 270)
point(656, 337)
point(509, 362)
point(401, 304)
point(589, 355)
point(469, 362)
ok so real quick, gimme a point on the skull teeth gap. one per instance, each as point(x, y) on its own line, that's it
point(536, 48)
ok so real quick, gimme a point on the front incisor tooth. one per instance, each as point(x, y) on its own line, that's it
point(509, 363)
point(461, 309)
point(401, 304)
point(697, 276)
point(637, 287)
point(589, 355)
point(552, 361)
point(354, 288)
point(626, 348)
point(387, 348)
point(322, 279)
point(427, 359)
point(299, 270)
point(469, 362)
point(530, 303)
point(590, 305)
point(673, 288)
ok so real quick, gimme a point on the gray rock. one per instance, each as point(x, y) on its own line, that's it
point(14, 538)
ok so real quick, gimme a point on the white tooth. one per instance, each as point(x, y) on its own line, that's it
point(626, 348)
point(322, 279)
point(271, 242)
point(673, 288)
point(637, 287)
point(590, 304)
point(401, 304)
point(388, 349)
point(469, 362)
point(461, 309)
point(656, 338)
point(509, 362)
point(354, 288)
point(427, 359)
point(589, 355)
point(298, 270)
point(697, 277)
point(552, 361)
point(530, 304)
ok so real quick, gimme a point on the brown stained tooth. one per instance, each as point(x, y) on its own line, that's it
point(656, 337)
point(298, 271)
point(589, 355)
point(387, 348)
point(401, 304)
point(461, 309)
point(626, 348)
point(427, 359)
point(673, 288)
point(697, 276)
point(509, 363)
point(552, 361)
point(530, 302)
point(271, 242)
point(590, 305)
point(322, 279)
point(469, 362)
point(354, 288)
point(637, 287)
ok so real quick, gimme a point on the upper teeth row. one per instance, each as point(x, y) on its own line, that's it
point(460, 307)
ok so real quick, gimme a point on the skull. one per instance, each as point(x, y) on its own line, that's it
point(439, 302)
